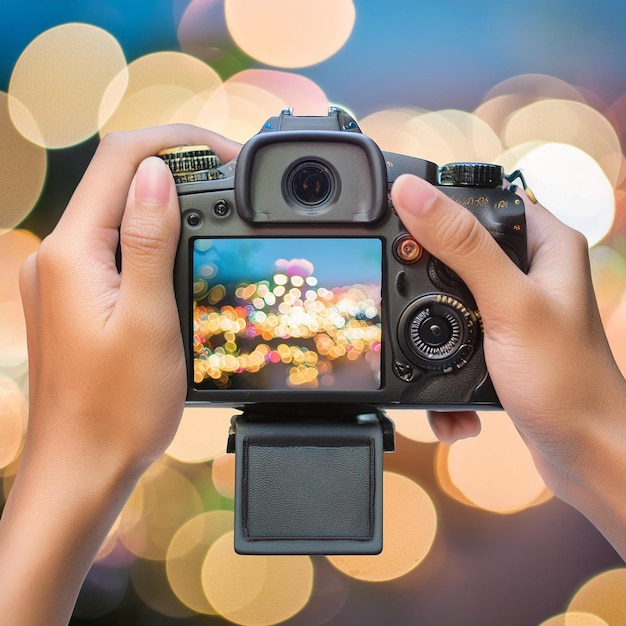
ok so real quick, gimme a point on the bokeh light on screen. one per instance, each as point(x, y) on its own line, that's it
point(201, 435)
point(187, 552)
point(255, 590)
point(159, 86)
point(275, 34)
point(495, 471)
point(23, 165)
point(603, 595)
point(409, 529)
point(58, 83)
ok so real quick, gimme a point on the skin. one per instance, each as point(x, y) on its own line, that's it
point(545, 348)
point(101, 413)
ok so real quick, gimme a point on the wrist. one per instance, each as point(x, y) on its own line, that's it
point(596, 480)
point(59, 511)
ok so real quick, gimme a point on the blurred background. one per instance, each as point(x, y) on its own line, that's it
point(472, 536)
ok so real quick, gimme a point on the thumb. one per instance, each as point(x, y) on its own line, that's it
point(149, 231)
point(455, 236)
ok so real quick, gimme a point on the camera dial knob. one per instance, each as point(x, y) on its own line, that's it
point(438, 332)
point(471, 175)
point(191, 164)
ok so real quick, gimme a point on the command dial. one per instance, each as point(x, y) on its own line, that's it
point(471, 175)
point(438, 332)
point(190, 164)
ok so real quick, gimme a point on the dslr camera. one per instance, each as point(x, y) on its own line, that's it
point(305, 303)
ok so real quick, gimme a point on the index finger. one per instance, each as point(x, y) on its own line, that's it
point(100, 198)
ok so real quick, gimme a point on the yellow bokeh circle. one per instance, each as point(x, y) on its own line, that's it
point(23, 165)
point(201, 435)
point(274, 33)
point(58, 83)
point(255, 590)
point(409, 528)
point(575, 619)
point(604, 595)
point(186, 554)
point(495, 470)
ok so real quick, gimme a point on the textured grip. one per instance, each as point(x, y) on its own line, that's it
point(308, 488)
point(190, 164)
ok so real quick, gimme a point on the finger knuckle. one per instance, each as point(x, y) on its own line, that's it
point(113, 141)
point(462, 232)
point(144, 237)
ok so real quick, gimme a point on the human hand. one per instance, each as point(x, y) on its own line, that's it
point(545, 347)
point(105, 350)
point(107, 377)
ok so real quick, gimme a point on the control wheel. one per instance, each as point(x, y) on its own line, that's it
point(192, 164)
point(438, 332)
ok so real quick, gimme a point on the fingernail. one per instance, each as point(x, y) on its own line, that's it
point(414, 194)
point(153, 182)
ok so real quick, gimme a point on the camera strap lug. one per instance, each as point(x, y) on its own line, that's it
point(310, 484)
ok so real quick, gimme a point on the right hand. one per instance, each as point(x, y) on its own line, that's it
point(545, 347)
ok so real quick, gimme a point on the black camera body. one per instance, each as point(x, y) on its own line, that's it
point(305, 303)
point(298, 284)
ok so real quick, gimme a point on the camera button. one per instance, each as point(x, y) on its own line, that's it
point(193, 219)
point(403, 371)
point(221, 209)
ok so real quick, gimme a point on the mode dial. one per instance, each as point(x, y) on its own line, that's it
point(438, 332)
point(190, 164)
point(471, 175)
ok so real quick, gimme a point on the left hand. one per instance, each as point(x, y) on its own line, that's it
point(105, 350)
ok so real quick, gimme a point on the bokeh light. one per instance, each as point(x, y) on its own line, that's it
point(273, 33)
point(228, 65)
point(255, 590)
point(150, 582)
point(23, 165)
point(163, 501)
point(187, 552)
point(603, 595)
point(241, 105)
point(223, 473)
point(13, 350)
point(202, 30)
point(13, 411)
point(585, 200)
point(59, 81)
point(567, 122)
point(413, 424)
point(163, 87)
point(440, 136)
point(495, 471)
point(202, 434)
point(575, 619)
point(409, 528)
